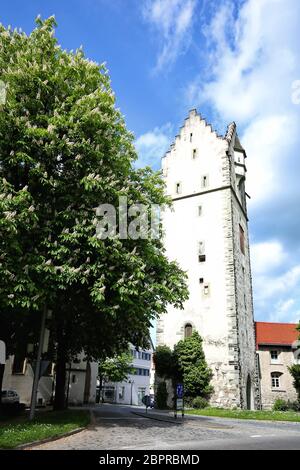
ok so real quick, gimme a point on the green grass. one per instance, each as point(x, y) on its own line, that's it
point(47, 424)
point(247, 414)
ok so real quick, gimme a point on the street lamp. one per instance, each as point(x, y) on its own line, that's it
point(131, 383)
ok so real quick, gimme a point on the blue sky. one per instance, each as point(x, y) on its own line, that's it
point(232, 60)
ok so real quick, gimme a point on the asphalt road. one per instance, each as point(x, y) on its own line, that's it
point(119, 427)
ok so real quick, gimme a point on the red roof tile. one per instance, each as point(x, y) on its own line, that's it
point(276, 333)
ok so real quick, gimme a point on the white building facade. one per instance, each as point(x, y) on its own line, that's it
point(137, 385)
point(206, 231)
point(81, 379)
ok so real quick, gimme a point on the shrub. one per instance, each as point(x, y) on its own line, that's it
point(161, 396)
point(9, 410)
point(280, 405)
point(199, 403)
point(294, 406)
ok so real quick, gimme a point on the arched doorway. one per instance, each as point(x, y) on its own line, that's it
point(249, 393)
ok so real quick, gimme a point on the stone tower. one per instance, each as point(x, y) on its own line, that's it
point(207, 233)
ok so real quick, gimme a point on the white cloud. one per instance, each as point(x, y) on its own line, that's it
point(172, 20)
point(253, 64)
point(152, 145)
point(253, 60)
point(266, 256)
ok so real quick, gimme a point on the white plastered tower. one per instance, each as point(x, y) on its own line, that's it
point(207, 233)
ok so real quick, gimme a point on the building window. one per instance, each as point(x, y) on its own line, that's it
point(242, 240)
point(204, 181)
point(201, 252)
point(178, 188)
point(144, 372)
point(191, 137)
point(199, 211)
point(201, 280)
point(19, 364)
point(275, 378)
point(74, 379)
point(121, 393)
point(194, 153)
point(50, 369)
point(274, 357)
point(188, 330)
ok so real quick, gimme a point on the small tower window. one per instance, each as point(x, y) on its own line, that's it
point(201, 280)
point(242, 240)
point(188, 330)
point(206, 290)
point(199, 211)
point(204, 181)
point(191, 137)
point(194, 153)
point(201, 252)
point(178, 188)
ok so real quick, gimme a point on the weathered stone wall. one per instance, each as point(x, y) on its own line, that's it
point(223, 317)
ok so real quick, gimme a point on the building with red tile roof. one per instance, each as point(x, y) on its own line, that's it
point(278, 347)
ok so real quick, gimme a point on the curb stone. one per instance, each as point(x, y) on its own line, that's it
point(47, 439)
point(158, 418)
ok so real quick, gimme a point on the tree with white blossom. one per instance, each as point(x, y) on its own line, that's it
point(65, 149)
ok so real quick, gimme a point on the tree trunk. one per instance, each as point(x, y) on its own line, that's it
point(60, 385)
point(2, 366)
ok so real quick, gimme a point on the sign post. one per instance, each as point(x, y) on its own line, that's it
point(2, 365)
point(179, 404)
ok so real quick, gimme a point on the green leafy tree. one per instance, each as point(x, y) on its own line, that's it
point(164, 361)
point(192, 368)
point(295, 371)
point(116, 369)
point(65, 149)
point(161, 396)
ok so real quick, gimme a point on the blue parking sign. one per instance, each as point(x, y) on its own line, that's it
point(179, 390)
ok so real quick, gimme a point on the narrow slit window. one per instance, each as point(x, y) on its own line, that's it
point(204, 181)
point(242, 240)
point(191, 137)
point(194, 153)
point(199, 211)
point(178, 188)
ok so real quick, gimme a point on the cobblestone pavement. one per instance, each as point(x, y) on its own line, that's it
point(116, 427)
